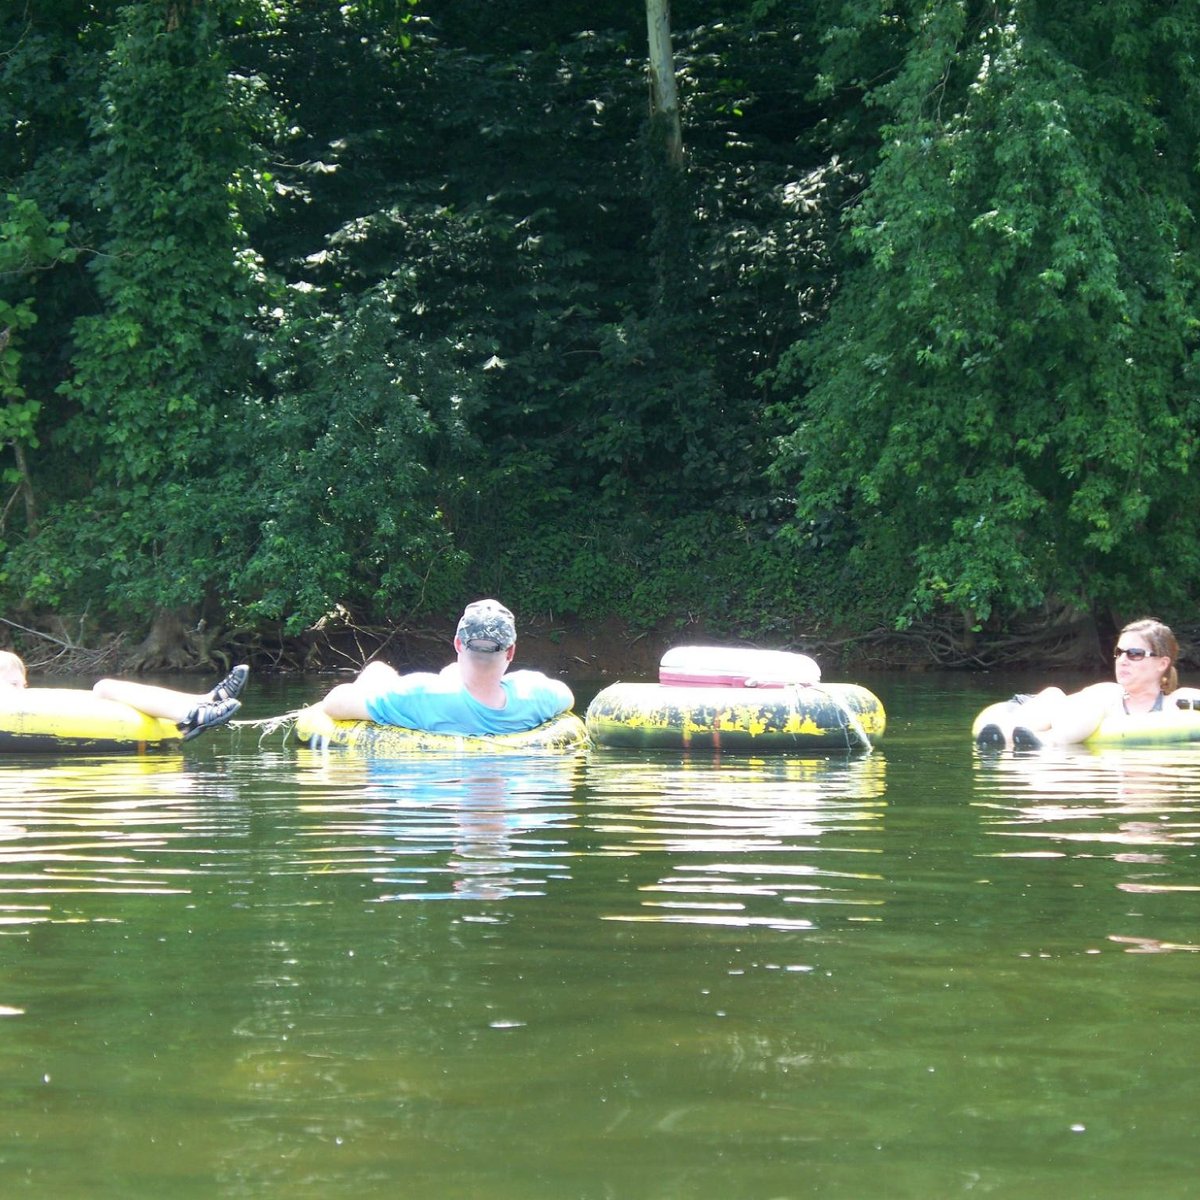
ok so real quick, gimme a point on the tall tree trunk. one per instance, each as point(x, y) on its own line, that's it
point(26, 488)
point(664, 99)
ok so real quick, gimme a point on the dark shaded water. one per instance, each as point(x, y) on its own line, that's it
point(252, 971)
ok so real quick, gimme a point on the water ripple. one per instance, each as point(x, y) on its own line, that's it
point(435, 828)
point(1135, 797)
point(99, 826)
point(741, 838)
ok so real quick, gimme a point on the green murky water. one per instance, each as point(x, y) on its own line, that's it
point(252, 971)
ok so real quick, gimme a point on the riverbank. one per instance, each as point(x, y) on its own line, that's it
point(602, 650)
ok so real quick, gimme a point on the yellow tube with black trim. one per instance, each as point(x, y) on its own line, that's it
point(316, 729)
point(75, 721)
point(828, 716)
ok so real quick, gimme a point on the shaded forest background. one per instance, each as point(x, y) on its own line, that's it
point(318, 319)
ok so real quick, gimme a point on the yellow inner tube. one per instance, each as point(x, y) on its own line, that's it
point(1173, 725)
point(314, 728)
point(650, 715)
point(39, 720)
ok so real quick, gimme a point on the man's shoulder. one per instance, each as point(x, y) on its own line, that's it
point(532, 678)
point(420, 681)
point(536, 688)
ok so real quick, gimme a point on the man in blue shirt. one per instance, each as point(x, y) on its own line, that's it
point(474, 695)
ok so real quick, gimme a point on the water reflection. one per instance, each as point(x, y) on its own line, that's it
point(737, 839)
point(725, 977)
point(104, 826)
point(1135, 808)
point(1141, 797)
point(435, 827)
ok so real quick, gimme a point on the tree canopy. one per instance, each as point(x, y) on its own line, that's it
point(1002, 403)
point(353, 309)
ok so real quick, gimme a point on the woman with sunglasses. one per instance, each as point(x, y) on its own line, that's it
point(1144, 666)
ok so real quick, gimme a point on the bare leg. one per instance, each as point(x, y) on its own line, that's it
point(146, 697)
point(192, 712)
point(1076, 717)
point(1036, 713)
point(1039, 712)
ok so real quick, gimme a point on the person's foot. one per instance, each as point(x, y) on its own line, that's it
point(1025, 739)
point(230, 688)
point(991, 737)
point(207, 715)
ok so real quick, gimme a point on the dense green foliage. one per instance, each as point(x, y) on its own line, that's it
point(1004, 398)
point(359, 308)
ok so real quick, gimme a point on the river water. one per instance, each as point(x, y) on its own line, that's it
point(249, 970)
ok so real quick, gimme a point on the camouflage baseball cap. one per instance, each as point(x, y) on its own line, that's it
point(487, 625)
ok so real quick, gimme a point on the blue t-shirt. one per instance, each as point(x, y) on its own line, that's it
point(440, 704)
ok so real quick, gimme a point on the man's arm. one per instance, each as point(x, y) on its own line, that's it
point(554, 696)
point(348, 701)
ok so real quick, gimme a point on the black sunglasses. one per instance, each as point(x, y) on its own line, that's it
point(1133, 653)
